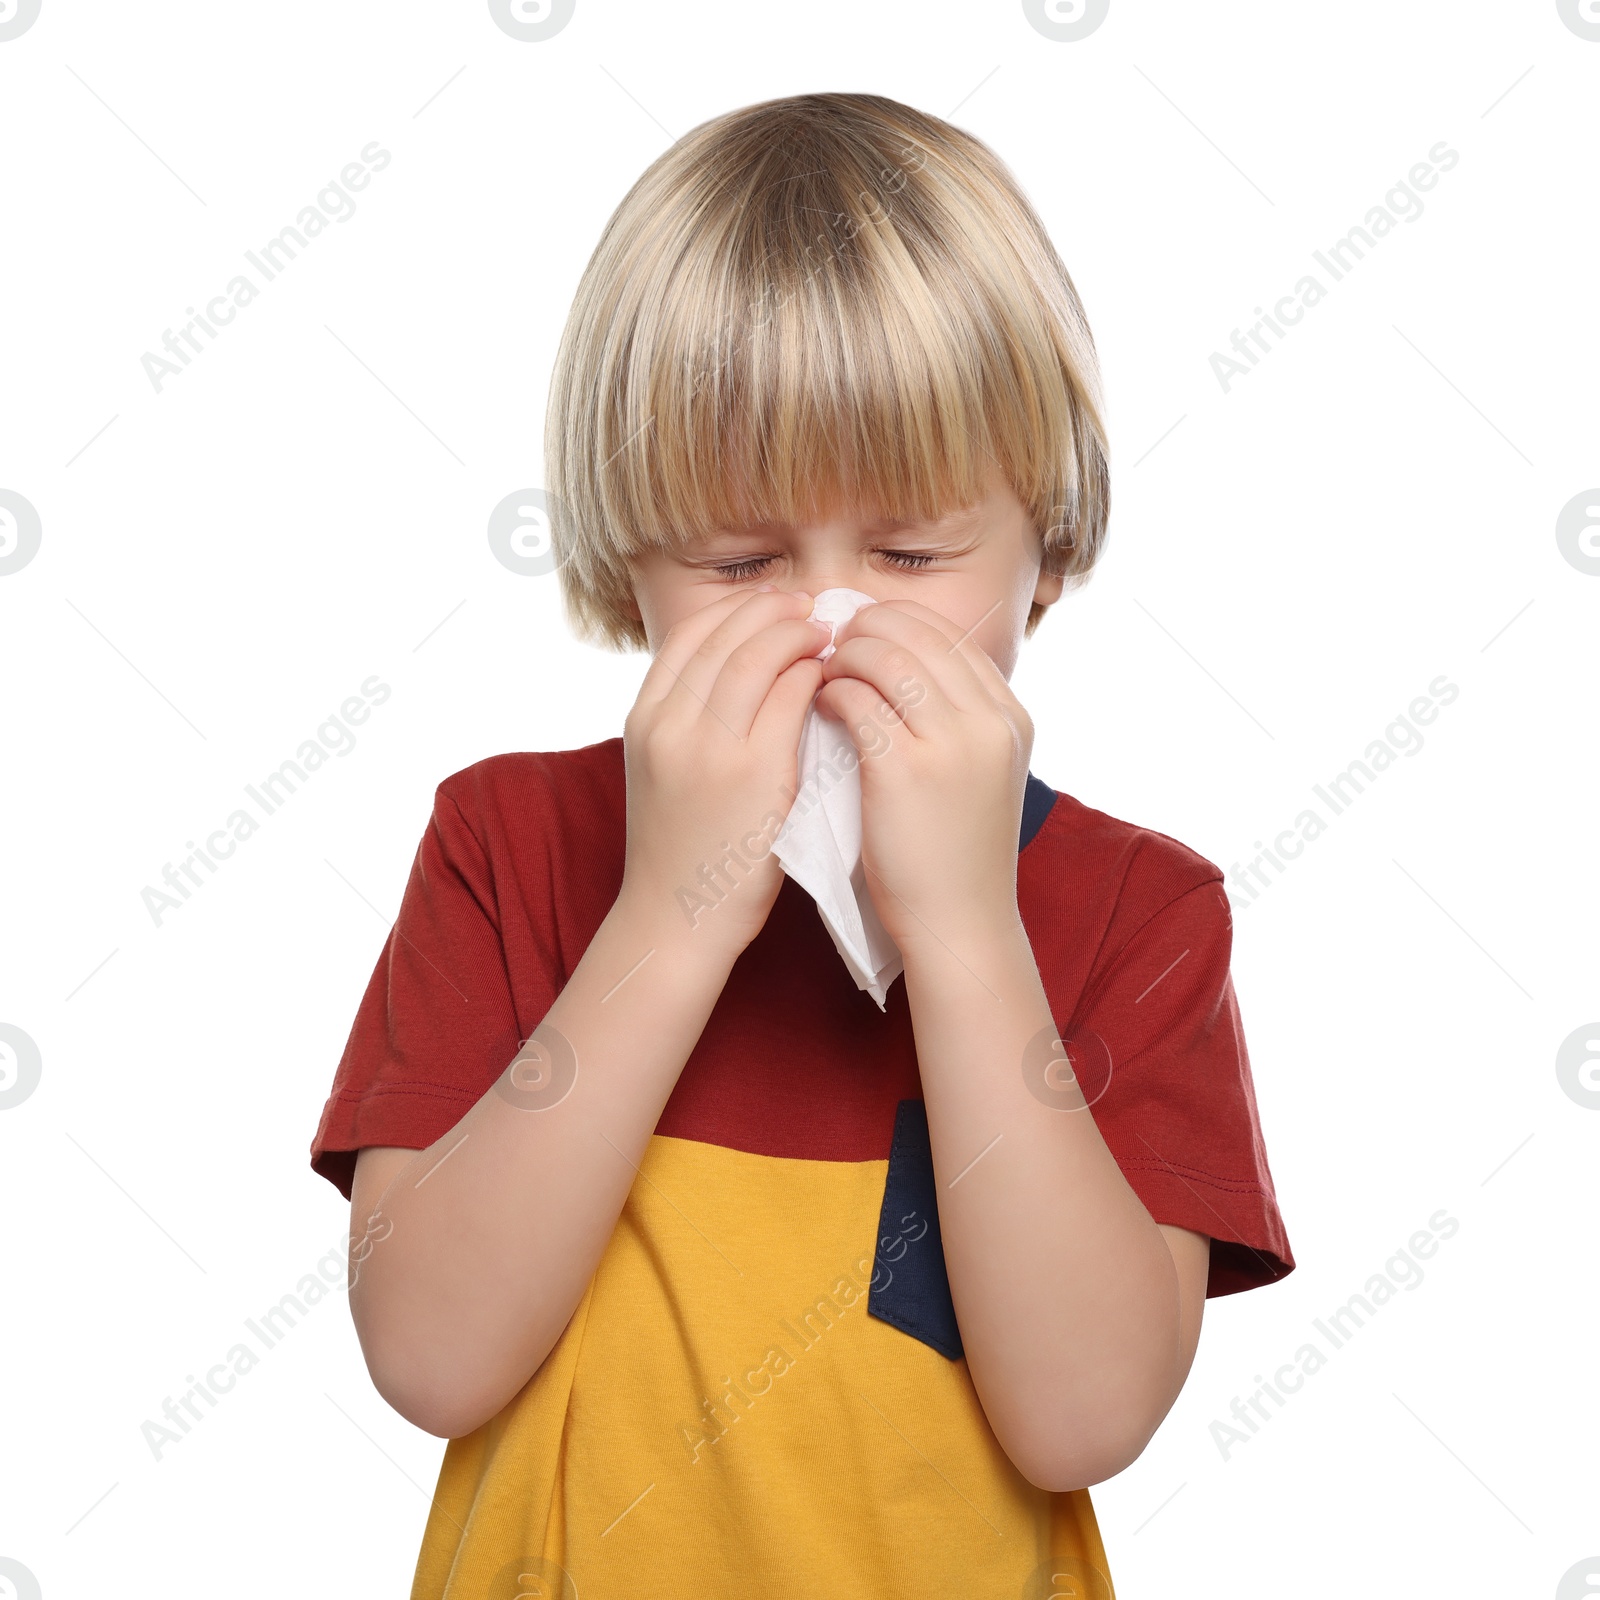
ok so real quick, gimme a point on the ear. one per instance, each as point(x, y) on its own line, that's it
point(1048, 589)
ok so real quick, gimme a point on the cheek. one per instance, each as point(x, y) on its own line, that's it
point(664, 598)
point(666, 601)
point(1000, 633)
point(1002, 651)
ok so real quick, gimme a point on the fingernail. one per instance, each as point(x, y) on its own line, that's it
point(765, 588)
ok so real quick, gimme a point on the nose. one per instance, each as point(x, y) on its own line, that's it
point(835, 583)
point(836, 606)
point(828, 564)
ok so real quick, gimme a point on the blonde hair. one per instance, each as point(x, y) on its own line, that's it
point(823, 300)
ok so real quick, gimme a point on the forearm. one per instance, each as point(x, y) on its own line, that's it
point(484, 1243)
point(1066, 1292)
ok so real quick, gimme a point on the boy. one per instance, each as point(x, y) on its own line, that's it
point(731, 1282)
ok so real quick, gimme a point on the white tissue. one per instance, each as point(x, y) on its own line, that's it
point(819, 845)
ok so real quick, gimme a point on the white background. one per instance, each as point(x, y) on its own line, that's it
point(1290, 564)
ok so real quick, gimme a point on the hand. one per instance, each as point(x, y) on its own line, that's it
point(711, 749)
point(944, 748)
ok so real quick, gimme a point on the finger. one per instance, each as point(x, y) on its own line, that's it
point(777, 721)
point(682, 639)
point(899, 681)
point(921, 642)
point(691, 655)
point(909, 662)
point(872, 724)
point(750, 670)
point(940, 643)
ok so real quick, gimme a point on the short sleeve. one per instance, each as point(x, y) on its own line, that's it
point(1160, 1054)
point(437, 1024)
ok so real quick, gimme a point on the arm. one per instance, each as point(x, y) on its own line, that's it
point(469, 1258)
point(1079, 1314)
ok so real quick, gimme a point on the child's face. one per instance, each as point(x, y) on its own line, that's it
point(978, 566)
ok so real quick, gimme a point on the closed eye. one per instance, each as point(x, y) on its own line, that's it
point(739, 571)
point(751, 567)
